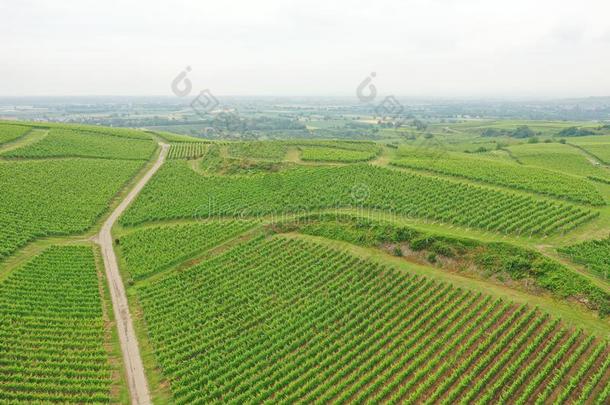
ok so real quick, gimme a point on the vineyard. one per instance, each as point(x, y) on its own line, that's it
point(595, 255)
point(261, 272)
point(558, 157)
point(94, 129)
point(187, 150)
point(321, 154)
point(599, 150)
point(11, 132)
point(52, 331)
point(510, 175)
point(150, 250)
point(268, 150)
point(285, 321)
point(523, 267)
point(55, 197)
point(178, 192)
point(67, 143)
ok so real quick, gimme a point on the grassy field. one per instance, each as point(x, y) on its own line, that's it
point(257, 272)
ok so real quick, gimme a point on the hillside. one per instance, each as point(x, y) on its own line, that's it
point(144, 266)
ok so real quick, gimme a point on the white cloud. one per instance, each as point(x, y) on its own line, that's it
point(417, 47)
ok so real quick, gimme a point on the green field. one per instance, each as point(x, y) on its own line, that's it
point(52, 331)
point(150, 250)
point(323, 326)
point(453, 263)
point(512, 175)
point(594, 254)
point(187, 150)
point(56, 197)
point(66, 143)
point(9, 133)
point(179, 192)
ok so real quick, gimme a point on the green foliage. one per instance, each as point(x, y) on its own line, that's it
point(149, 250)
point(65, 143)
point(52, 331)
point(575, 131)
point(56, 197)
point(522, 131)
point(11, 132)
point(533, 179)
point(289, 321)
point(212, 162)
point(177, 192)
point(594, 254)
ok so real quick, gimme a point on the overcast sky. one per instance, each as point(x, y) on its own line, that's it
point(440, 48)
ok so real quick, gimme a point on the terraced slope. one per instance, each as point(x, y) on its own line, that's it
point(286, 321)
point(52, 340)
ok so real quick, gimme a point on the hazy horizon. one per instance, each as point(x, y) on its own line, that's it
point(440, 49)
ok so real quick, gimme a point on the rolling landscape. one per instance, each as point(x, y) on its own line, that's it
point(305, 202)
point(146, 266)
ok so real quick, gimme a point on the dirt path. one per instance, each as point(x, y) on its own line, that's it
point(136, 378)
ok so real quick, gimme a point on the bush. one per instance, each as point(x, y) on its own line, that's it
point(420, 243)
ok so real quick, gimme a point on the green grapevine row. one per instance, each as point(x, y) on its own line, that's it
point(150, 250)
point(68, 143)
point(55, 197)
point(176, 191)
point(52, 332)
point(594, 254)
point(284, 320)
point(11, 132)
point(187, 150)
point(528, 178)
point(316, 153)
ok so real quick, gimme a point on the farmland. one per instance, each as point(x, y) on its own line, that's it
point(187, 150)
point(594, 254)
point(178, 192)
point(150, 250)
point(52, 331)
point(324, 326)
point(256, 271)
point(66, 143)
point(55, 197)
point(11, 132)
point(507, 174)
point(321, 154)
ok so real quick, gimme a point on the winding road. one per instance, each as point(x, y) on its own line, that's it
point(136, 377)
